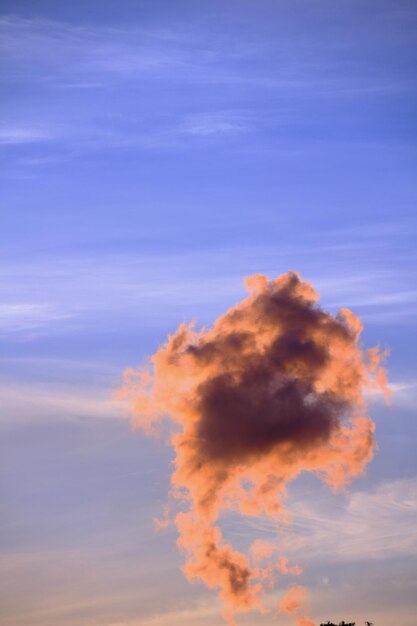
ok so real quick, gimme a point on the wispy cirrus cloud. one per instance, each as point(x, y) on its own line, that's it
point(24, 316)
point(215, 123)
point(380, 524)
point(122, 58)
point(177, 51)
point(125, 53)
point(36, 403)
point(373, 525)
point(15, 135)
point(74, 291)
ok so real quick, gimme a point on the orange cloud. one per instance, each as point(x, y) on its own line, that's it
point(293, 603)
point(273, 389)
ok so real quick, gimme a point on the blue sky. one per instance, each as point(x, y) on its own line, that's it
point(152, 155)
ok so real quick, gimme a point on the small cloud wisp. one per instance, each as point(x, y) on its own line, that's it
point(273, 389)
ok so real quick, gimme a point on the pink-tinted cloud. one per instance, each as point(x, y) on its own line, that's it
point(293, 603)
point(273, 389)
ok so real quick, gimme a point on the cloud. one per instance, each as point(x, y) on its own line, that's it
point(24, 317)
point(87, 55)
point(365, 526)
point(72, 292)
point(293, 603)
point(403, 395)
point(23, 404)
point(117, 61)
point(16, 135)
point(273, 389)
point(215, 123)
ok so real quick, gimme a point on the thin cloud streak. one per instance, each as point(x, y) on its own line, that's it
point(73, 292)
point(24, 317)
point(368, 525)
point(28, 404)
point(215, 123)
point(17, 135)
point(177, 53)
point(97, 58)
